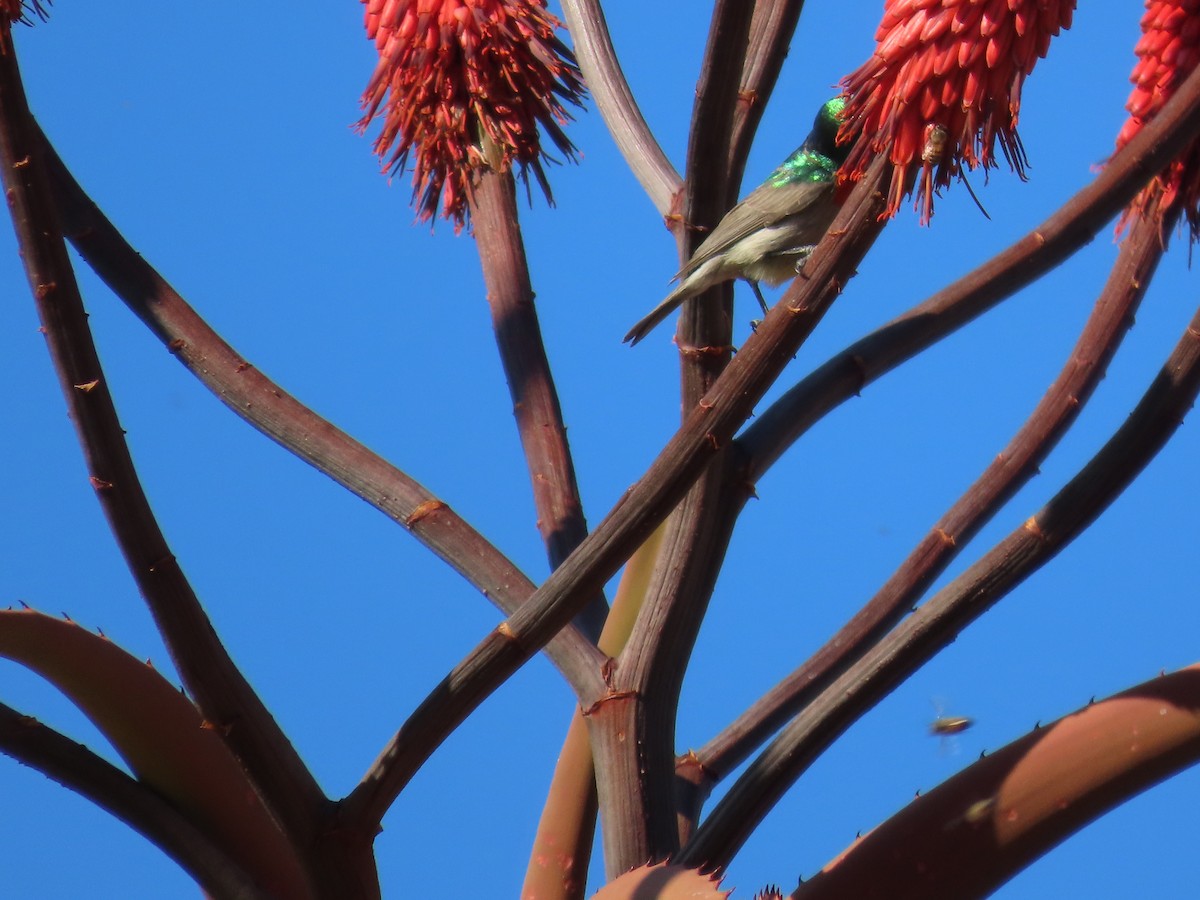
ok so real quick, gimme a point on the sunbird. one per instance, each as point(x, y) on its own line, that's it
point(768, 236)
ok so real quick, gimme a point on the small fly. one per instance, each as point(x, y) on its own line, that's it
point(944, 726)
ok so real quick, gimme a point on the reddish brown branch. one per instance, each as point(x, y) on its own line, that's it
point(771, 32)
point(844, 376)
point(602, 72)
point(974, 832)
point(708, 193)
point(266, 406)
point(76, 767)
point(936, 623)
point(1072, 225)
point(1012, 468)
point(634, 739)
point(223, 695)
point(535, 401)
point(634, 775)
point(569, 587)
point(649, 674)
point(746, 48)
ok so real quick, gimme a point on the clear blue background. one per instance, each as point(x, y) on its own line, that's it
point(220, 142)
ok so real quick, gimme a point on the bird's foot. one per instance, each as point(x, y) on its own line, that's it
point(802, 255)
point(758, 295)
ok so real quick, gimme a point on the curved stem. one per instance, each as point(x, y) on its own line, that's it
point(602, 72)
point(267, 407)
point(223, 695)
point(1009, 471)
point(1075, 223)
point(937, 622)
point(527, 370)
point(972, 833)
point(569, 588)
point(76, 767)
point(771, 33)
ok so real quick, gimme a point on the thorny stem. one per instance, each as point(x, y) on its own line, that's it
point(602, 73)
point(936, 623)
point(218, 688)
point(631, 521)
point(1011, 469)
point(771, 32)
point(844, 376)
point(268, 408)
point(704, 328)
point(76, 767)
point(972, 833)
point(651, 669)
point(535, 401)
point(634, 739)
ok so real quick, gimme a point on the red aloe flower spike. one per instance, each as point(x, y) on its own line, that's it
point(464, 84)
point(1166, 53)
point(955, 65)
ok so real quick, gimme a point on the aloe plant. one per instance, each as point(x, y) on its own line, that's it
point(711, 660)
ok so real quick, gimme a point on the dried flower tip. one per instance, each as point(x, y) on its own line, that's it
point(20, 10)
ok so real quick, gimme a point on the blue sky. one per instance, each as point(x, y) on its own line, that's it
point(222, 146)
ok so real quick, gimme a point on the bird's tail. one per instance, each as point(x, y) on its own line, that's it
point(660, 312)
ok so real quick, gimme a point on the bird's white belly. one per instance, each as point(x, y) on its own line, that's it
point(769, 255)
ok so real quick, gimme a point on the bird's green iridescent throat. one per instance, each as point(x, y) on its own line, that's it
point(804, 166)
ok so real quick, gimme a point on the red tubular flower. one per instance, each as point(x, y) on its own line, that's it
point(1166, 54)
point(465, 84)
point(956, 65)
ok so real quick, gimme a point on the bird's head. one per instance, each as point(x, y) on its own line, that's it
point(823, 137)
